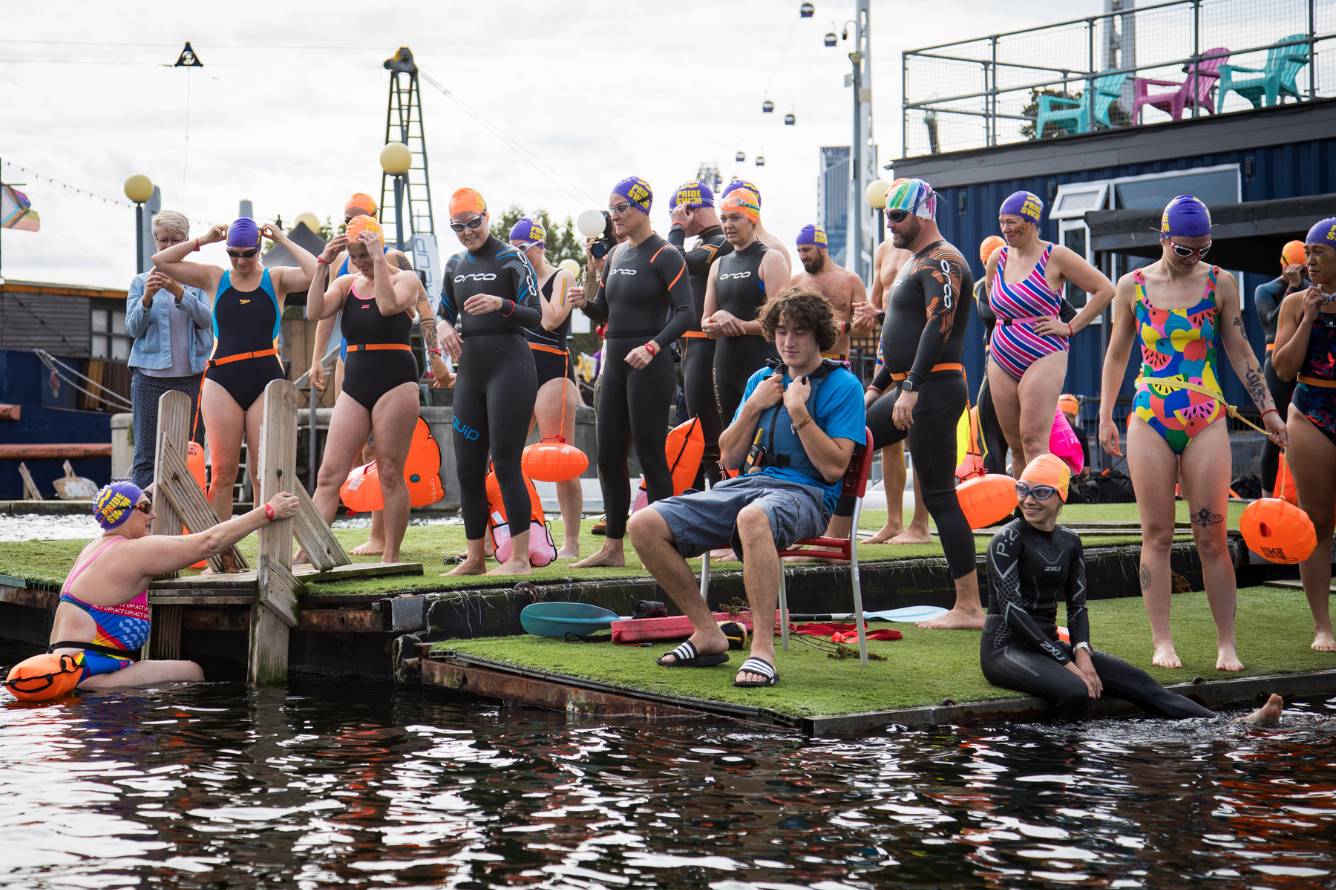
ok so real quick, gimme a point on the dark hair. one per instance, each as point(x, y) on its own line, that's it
point(801, 308)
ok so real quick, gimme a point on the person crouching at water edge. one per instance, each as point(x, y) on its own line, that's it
point(808, 414)
point(1034, 562)
point(102, 618)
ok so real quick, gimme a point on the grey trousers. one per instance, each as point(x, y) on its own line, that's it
point(144, 394)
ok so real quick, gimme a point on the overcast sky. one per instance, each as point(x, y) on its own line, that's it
point(289, 109)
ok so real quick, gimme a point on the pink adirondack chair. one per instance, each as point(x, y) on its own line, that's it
point(1199, 91)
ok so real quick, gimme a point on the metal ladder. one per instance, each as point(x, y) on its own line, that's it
point(403, 123)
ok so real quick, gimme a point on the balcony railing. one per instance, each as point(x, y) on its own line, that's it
point(1168, 61)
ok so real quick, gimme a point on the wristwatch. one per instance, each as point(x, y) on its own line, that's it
point(907, 385)
point(1082, 645)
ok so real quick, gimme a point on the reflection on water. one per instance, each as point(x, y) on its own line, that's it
point(326, 783)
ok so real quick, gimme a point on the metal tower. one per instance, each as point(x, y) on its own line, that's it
point(403, 123)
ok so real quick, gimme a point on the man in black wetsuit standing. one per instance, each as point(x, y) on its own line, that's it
point(493, 290)
point(692, 214)
point(644, 295)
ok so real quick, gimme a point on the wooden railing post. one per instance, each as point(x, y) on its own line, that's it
point(275, 609)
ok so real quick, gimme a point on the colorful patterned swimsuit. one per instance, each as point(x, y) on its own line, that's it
point(1015, 346)
point(1315, 394)
point(121, 630)
point(1177, 344)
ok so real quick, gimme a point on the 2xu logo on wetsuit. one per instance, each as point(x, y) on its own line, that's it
point(476, 276)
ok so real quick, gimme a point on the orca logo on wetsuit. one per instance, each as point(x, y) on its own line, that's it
point(621, 271)
point(727, 275)
point(947, 293)
point(476, 276)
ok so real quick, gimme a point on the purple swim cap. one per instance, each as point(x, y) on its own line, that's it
point(244, 232)
point(814, 235)
point(637, 192)
point(742, 184)
point(1186, 217)
point(690, 195)
point(115, 503)
point(530, 231)
point(1323, 232)
point(1026, 205)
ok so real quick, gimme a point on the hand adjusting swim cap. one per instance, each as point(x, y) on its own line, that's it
point(742, 201)
point(360, 204)
point(467, 200)
point(1186, 217)
point(637, 193)
point(114, 504)
point(244, 232)
point(1048, 469)
point(529, 231)
point(359, 224)
point(914, 196)
point(742, 184)
point(1024, 204)
point(1323, 232)
point(691, 195)
point(814, 235)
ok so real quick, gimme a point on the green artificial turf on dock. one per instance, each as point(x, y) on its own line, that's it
point(47, 562)
point(927, 667)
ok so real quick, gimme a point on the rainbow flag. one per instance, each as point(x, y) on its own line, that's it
point(16, 211)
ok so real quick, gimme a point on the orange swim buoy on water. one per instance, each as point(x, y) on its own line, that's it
point(542, 549)
point(44, 677)
point(553, 460)
point(1278, 530)
point(987, 499)
point(684, 449)
point(360, 492)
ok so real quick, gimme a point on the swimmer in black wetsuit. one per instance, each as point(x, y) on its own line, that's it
point(1033, 562)
point(247, 308)
point(764, 235)
point(1267, 299)
point(921, 344)
point(493, 290)
point(645, 297)
point(692, 214)
point(380, 394)
point(735, 291)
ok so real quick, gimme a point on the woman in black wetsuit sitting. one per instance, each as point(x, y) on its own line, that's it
point(1032, 562)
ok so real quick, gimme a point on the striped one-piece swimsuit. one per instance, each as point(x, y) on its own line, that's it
point(1018, 307)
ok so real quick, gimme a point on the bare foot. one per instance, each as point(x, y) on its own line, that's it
point(1323, 641)
point(1227, 659)
point(956, 619)
point(887, 532)
point(371, 548)
point(724, 553)
point(1268, 714)
point(517, 566)
point(1166, 657)
point(469, 567)
point(568, 553)
point(913, 535)
point(607, 555)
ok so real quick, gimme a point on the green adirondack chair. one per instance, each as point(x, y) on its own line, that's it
point(1276, 79)
point(1078, 115)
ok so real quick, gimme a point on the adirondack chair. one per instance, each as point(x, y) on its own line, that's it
point(1078, 115)
point(1276, 79)
point(1191, 91)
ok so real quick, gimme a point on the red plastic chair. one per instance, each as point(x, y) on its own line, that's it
point(821, 547)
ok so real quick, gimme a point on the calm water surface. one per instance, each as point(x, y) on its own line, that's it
point(354, 784)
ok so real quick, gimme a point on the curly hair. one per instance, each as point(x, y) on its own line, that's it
point(801, 308)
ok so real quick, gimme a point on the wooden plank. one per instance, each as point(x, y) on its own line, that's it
point(164, 631)
point(27, 596)
point(355, 570)
point(267, 660)
point(321, 547)
point(277, 590)
point(207, 600)
point(1292, 584)
point(173, 426)
point(30, 490)
point(53, 450)
point(176, 485)
point(305, 573)
point(204, 583)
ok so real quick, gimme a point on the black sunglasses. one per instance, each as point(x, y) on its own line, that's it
point(145, 507)
point(897, 216)
point(1186, 252)
point(243, 254)
point(468, 224)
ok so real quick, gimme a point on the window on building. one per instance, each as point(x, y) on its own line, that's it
point(109, 341)
point(1214, 185)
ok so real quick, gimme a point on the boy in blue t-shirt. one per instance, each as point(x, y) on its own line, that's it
point(792, 439)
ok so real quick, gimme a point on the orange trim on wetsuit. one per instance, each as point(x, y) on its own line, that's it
point(539, 347)
point(1307, 380)
point(241, 357)
point(372, 347)
point(896, 377)
point(695, 335)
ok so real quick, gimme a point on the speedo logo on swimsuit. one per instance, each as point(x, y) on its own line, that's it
point(621, 271)
point(727, 275)
point(476, 276)
point(464, 429)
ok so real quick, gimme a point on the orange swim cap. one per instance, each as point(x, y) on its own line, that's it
point(744, 201)
point(1049, 469)
point(1293, 254)
point(364, 223)
point(987, 246)
point(360, 204)
point(467, 200)
point(1070, 404)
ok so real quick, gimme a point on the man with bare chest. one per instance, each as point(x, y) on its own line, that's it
point(841, 288)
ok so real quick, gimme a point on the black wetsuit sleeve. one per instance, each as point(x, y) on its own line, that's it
point(941, 279)
point(1268, 298)
point(1078, 618)
point(699, 257)
point(986, 314)
point(1005, 554)
point(672, 270)
point(448, 309)
point(524, 284)
point(1067, 311)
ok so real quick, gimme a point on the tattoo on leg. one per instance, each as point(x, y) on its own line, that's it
point(1206, 517)
point(1145, 580)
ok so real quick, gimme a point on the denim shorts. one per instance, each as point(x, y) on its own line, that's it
point(706, 520)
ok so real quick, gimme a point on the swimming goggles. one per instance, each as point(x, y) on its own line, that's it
point(467, 224)
point(243, 254)
point(1038, 492)
point(1186, 252)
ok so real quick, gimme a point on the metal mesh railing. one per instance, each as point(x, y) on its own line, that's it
point(1171, 60)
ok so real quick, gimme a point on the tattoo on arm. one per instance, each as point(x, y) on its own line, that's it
point(1145, 580)
point(1206, 517)
point(429, 337)
point(1257, 391)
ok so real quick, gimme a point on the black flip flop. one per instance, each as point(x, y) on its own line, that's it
point(686, 656)
point(754, 665)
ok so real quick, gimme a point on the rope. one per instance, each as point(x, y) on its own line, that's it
point(1193, 387)
point(57, 367)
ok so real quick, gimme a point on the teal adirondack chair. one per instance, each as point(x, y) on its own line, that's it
point(1276, 79)
point(1077, 114)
